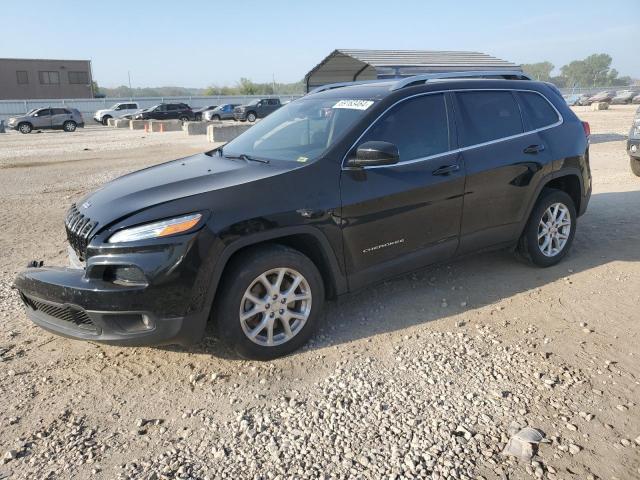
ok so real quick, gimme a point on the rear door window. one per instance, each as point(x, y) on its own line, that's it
point(538, 111)
point(419, 127)
point(487, 116)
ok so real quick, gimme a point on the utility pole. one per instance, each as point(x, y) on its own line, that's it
point(130, 89)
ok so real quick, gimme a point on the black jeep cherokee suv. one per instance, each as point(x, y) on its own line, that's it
point(344, 187)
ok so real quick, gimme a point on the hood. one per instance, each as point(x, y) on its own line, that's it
point(169, 181)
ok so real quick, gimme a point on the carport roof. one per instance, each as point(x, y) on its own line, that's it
point(350, 65)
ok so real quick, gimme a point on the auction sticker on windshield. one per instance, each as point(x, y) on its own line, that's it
point(354, 104)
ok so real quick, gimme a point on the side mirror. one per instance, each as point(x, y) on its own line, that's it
point(374, 153)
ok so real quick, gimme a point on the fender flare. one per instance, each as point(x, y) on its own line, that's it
point(565, 172)
point(338, 279)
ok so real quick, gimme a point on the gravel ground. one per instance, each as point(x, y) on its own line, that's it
point(425, 376)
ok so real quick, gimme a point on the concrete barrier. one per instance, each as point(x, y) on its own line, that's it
point(111, 122)
point(197, 128)
point(165, 125)
point(599, 106)
point(122, 123)
point(225, 133)
point(138, 124)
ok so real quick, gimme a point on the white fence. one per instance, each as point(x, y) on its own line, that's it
point(88, 106)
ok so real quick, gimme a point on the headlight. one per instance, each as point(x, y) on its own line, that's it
point(160, 229)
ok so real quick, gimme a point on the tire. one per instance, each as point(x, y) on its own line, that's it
point(251, 117)
point(69, 126)
point(25, 127)
point(241, 281)
point(215, 118)
point(183, 118)
point(550, 249)
point(635, 166)
point(105, 120)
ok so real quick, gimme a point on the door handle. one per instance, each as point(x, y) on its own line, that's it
point(533, 149)
point(446, 169)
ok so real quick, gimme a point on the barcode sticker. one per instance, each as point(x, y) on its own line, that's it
point(354, 104)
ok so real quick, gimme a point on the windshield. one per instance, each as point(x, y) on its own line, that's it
point(114, 106)
point(299, 131)
point(253, 102)
point(30, 112)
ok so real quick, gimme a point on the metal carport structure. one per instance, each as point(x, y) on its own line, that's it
point(345, 65)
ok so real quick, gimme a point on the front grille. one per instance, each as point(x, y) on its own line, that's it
point(78, 227)
point(62, 312)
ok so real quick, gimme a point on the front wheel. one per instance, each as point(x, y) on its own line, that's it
point(635, 166)
point(69, 126)
point(251, 117)
point(25, 128)
point(105, 120)
point(184, 119)
point(270, 302)
point(550, 230)
point(215, 118)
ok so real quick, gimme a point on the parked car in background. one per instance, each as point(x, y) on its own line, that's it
point(572, 99)
point(623, 97)
point(633, 144)
point(54, 118)
point(584, 99)
point(605, 97)
point(198, 112)
point(256, 109)
point(256, 235)
point(636, 100)
point(119, 110)
point(167, 111)
point(222, 112)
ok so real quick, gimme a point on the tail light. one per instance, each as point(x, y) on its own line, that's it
point(587, 128)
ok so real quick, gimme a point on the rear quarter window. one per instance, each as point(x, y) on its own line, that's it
point(487, 116)
point(537, 110)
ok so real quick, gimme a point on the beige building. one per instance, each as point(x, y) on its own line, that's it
point(24, 79)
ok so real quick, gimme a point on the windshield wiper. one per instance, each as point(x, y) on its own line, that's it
point(245, 157)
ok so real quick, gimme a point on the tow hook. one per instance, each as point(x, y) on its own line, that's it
point(35, 264)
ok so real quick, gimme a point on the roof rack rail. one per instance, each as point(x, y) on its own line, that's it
point(418, 79)
point(331, 86)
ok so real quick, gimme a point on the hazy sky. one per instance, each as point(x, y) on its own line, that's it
point(200, 43)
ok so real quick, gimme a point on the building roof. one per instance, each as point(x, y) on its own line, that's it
point(430, 58)
point(343, 65)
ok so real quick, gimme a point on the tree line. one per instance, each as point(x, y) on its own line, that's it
point(593, 71)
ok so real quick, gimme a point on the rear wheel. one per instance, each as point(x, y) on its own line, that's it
point(635, 166)
point(251, 116)
point(270, 302)
point(25, 127)
point(550, 230)
point(69, 126)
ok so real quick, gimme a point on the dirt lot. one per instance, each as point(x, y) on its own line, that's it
point(425, 376)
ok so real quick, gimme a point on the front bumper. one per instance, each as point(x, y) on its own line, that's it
point(240, 116)
point(633, 147)
point(171, 307)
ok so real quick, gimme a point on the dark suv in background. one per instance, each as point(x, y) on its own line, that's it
point(256, 109)
point(344, 187)
point(167, 111)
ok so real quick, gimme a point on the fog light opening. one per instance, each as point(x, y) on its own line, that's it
point(127, 276)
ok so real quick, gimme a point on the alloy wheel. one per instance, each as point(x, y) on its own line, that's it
point(275, 307)
point(554, 229)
